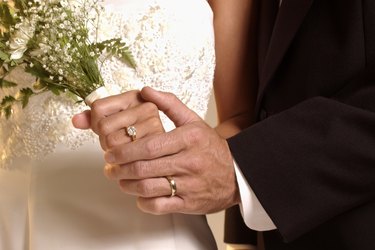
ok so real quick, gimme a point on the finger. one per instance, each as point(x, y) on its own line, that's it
point(125, 118)
point(113, 104)
point(114, 139)
point(103, 142)
point(134, 172)
point(144, 169)
point(161, 205)
point(151, 126)
point(178, 112)
point(147, 188)
point(115, 128)
point(147, 148)
point(82, 120)
point(182, 183)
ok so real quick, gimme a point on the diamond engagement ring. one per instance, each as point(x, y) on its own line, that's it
point(172, 184)
point(132, 132)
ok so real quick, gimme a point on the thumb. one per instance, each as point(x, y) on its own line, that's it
point(170, 105)
point(82, 120)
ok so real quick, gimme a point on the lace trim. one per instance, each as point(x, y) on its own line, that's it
point(173, 53)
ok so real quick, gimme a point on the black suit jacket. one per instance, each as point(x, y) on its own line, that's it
point(310, 157)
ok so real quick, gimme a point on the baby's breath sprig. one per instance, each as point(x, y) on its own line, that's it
point(51, 40)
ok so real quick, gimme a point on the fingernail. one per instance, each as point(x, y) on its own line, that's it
point(109, 157)
point(108, 170)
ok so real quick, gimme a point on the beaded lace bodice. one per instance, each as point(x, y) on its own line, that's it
point(173, 52)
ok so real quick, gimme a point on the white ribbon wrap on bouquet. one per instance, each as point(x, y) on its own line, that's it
point(100, 93)
point(97, 94)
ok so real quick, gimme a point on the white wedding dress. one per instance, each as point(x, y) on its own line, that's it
point(53, 194)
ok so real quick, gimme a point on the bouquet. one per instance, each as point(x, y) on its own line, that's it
point(55, 41)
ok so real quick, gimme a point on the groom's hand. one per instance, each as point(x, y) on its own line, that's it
point(193, 154)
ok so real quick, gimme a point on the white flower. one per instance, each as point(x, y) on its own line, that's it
point(45, 48)
point(18, 42)
point(64, 3)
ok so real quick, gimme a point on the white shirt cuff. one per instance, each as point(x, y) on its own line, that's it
point(252, 211)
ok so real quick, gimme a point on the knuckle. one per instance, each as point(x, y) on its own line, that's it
point(196, 164)
point(150, 108)
point(97, 107)
point(135, 92)
point(170, 96)
point(104, 126)
point(194, 135)
point(113, 140)
point(103, 142)
point(131, 170)
point(145, 205)
point(120, 154)
point(137, 169)
point(140, 169)
point(159, 207)
point(155, 122)
point(133, 98)
point(152, 147)
point(144, 188)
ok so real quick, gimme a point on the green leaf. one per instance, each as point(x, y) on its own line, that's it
point(4, 37)
point(54, 89)
point(25, 95)
point(21, 4)
point(6, 106)
point(127, 57)
point(2, 45)
point(73, 96)
point(39, 85)
point(8, 111)
point(6, 18)
point(100, 46)
point(37, 70)
point(118, 49)
point(6, 84)
point(3, 56)
point(7, 100)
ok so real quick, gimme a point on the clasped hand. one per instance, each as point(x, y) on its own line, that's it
point(193, 154)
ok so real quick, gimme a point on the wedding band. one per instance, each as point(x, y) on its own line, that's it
point(132, 132)
point(172, 184)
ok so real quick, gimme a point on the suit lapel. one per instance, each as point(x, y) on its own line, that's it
point(288, 21)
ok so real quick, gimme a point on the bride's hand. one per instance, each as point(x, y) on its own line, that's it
point(111, 116)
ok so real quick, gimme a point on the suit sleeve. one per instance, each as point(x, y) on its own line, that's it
point(316, 160)
point(313, 161)
point(235, 230)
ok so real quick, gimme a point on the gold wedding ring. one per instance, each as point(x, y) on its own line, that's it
point(132, 132)
point(172, 184)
